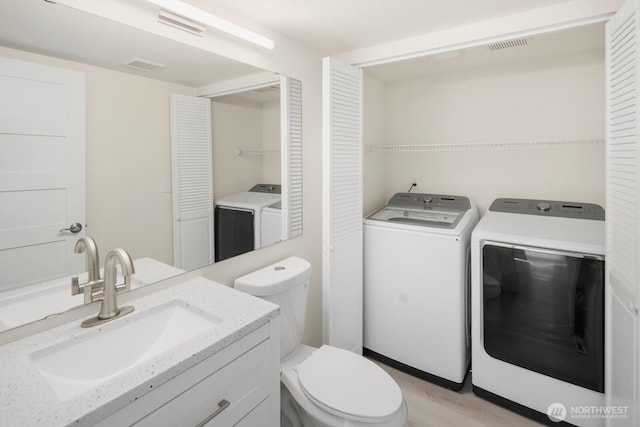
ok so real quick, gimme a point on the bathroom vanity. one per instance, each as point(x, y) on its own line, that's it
point(195, 353)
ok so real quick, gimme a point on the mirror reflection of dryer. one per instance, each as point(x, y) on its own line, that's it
point(239, 221)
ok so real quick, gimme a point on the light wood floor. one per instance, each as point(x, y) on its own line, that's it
point(434, 406)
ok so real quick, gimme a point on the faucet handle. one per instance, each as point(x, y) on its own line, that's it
point(124, 286)
point(127, 269)
point(91, 289)
point(75, 286)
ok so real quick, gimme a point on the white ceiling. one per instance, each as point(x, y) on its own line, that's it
point(331, 26)
point(561, 43)
point(338, 26)
point(64, 32)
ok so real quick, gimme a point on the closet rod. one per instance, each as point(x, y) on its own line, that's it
point(570, 143)
point(255, 152)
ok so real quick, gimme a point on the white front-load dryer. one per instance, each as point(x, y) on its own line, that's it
point(538, 309)
point(238, 220)
point(416, 285)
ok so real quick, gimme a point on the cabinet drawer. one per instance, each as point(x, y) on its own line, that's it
point(176, 387)
point(243, 383)
point(258, 416)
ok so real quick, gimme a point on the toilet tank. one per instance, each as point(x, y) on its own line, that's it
point(285, 283)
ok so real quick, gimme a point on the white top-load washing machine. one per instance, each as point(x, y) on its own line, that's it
point(538, 309)
point(416, 285)
point(238, 220)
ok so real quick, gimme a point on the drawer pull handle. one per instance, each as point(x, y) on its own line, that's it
point(222, 405)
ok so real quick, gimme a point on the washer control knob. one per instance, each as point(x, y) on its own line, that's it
point(544, 206)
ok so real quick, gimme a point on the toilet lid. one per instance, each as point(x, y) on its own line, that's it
point(348, 385)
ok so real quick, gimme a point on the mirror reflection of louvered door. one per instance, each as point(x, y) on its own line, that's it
point(342, 204)
point(291, 156)
point(42, 172)
point(192, 182)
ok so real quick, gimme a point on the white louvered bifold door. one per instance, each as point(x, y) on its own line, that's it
point(191, 173)
point(291, 156)
point(623, 221)
point(342, 205)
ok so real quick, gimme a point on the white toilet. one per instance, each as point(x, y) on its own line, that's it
point(326, 386)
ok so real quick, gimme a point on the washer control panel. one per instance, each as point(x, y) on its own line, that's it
point(266, 188)
point(430, 201)
point(549, 208)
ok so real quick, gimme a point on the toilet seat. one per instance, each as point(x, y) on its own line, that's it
point(348, 385)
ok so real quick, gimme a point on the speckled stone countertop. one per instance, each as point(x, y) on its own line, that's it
point(26, 399)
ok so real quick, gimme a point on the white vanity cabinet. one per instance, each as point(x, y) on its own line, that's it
point(237, 386)
point(214, 362)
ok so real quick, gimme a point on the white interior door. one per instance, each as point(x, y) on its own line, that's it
point(342, 204)
point(623, 216)
point(192, 182)
point(42, 171)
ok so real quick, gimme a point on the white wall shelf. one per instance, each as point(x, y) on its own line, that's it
point(256, 152)
point(512, 145)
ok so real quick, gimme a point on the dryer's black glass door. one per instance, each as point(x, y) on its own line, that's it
point(544, 311)
point(234, 232)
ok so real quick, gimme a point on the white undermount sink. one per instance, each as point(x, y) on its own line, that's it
point(106, 351)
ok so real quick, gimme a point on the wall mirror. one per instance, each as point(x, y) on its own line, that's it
point(130, 76)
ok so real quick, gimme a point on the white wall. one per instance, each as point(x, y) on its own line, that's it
point(550, 99)
point(129, 163)
point(245, 125)
point(374, 165)
point(235, 126)
point(271, 140)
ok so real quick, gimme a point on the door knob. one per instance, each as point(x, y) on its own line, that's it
point(74, 228)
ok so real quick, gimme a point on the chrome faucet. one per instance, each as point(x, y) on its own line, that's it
point(109, 308)
point(94, 285)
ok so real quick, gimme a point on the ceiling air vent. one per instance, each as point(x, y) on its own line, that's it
point(181, 23)
point(143, 64)
point(508, 44)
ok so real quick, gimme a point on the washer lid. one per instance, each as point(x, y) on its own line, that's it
point(249, 200)
point(348, 385)
point(426, 218)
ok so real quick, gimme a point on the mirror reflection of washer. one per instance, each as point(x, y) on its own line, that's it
point(238, 220)
point(271, 224)
point(416, 285)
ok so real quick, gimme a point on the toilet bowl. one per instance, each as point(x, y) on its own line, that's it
point(326, 386)
point(333, 387)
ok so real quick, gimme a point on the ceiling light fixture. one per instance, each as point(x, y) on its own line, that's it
point(181, 23)
point(190, 12)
